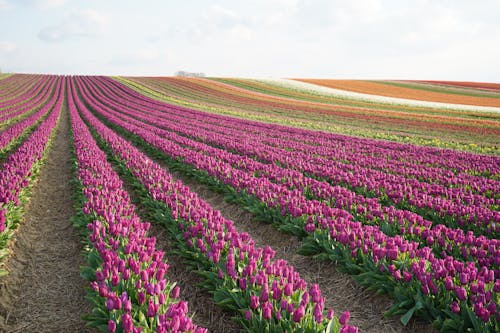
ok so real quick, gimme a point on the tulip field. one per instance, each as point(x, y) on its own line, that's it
point(402, 199)
point(371, 113)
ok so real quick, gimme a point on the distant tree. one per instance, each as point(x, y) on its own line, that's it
point(189, 74)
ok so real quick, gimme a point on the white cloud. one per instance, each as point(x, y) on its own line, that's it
point(439, 39)
point(276, 13)
point(6, 46)
point(43, 4)
point(131, 57)
point(219, 23)
point(80, 23)
point(347, 12)
point(4, 4)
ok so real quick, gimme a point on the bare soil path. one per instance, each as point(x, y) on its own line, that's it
point(44, 291)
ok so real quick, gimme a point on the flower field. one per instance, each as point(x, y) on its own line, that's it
point(302, 105)
point(403, 218)
point(448, 92)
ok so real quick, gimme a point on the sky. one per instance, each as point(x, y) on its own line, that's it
point(358, 39)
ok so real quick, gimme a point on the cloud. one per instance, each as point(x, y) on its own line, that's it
point(77, 24)
point(220, 23)
point(4, 4)
point(136, 56)
point(6, 47)
point(42, 4)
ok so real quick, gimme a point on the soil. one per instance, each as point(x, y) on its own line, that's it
point(44, 291)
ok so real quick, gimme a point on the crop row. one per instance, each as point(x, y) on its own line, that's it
point(10, 136)
point(17, 90)
point(268, 294)
point(420, 281)
point(131, 291)
point(435, 201)
point(451, 160)
point(428, 127)
point(486, 252)
point(20, 169)
point(37, 96)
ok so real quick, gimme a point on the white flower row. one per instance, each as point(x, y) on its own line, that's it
point(313, 88)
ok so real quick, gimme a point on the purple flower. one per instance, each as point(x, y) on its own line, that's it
point(267, 310)
point(349, 329)
point(310, 227)
point(242, 282)
point(111, 326)
point(461, 293)
point(318, 313)
point(110, 305)
point(127, 305)
point(248, 314)
point(454, 307)
point(298, 314)
point(315, 293)
point(254, 302)
point(141, 297)
point(344, 318)
point(127, 323)
point(152, 308)
point(176, 292)
point(2, 220)
point(407, 276)
point(99, 276)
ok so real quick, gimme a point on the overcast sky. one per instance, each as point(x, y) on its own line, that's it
point(415, 39)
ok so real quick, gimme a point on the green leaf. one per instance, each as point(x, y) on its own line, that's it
point(87, 273)
point(3, 272)
point(333, 326)
point(450, 325)
point(309, 248)
point(141, 317)
point(407, 316)
point(103, 327)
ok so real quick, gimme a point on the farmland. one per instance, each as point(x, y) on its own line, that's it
point(161, 204)
point(306, 106)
